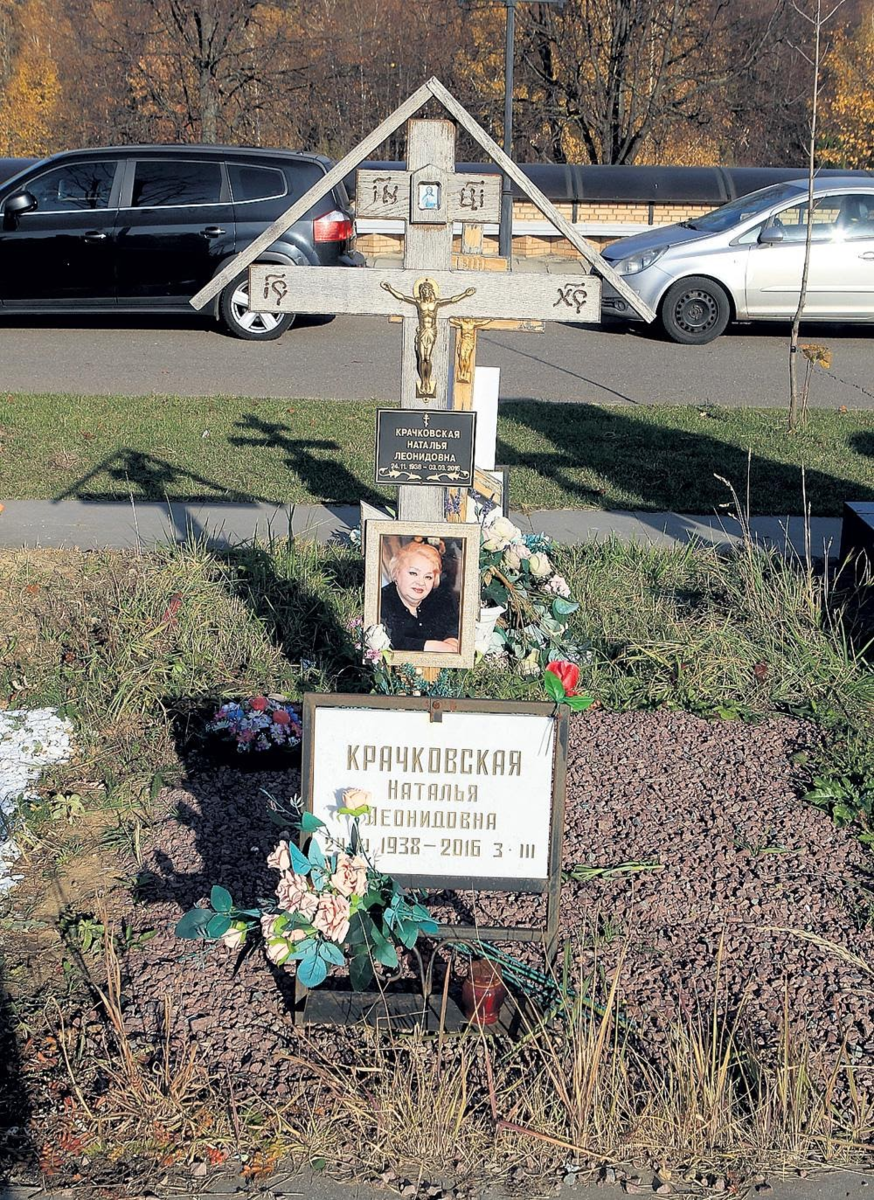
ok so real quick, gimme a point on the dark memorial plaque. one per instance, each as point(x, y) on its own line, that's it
point(430, 449)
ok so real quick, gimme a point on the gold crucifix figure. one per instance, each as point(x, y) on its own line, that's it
point(426, 299)
point(465, 344)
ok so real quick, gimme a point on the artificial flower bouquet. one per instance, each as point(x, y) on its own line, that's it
point(250, 728)
point(526, 603)
point(333, 908)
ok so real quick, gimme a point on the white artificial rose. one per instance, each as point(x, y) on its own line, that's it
point(558, 586)
point(234, 938)
point(511, 560)
point(376, 638)
point(498, 534)
point(539, 566)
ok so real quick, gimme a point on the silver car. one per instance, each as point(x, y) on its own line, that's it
point(743, 262)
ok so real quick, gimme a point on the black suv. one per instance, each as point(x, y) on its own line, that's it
point(142, 228)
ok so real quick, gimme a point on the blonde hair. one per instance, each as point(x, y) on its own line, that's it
point(422, 549)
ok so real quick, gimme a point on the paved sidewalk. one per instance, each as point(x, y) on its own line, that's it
point(122, 525)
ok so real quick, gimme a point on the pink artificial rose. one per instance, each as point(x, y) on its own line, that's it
point(280, 858)
point(268, 924)
point(332, 917)
point(259, 703)
point(350, 877)
point(295, 896)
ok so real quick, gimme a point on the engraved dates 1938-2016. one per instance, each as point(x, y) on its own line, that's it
point(447, 847)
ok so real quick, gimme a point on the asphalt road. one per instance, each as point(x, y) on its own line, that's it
point(358, 358)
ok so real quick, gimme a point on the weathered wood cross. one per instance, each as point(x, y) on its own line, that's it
point(426, 291)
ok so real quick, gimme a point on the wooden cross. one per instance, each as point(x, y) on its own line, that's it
point(430, 194)
point(427, 293)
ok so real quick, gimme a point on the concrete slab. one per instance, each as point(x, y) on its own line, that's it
point(137, 524)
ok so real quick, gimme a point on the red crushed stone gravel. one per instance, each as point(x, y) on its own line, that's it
point(706, 799)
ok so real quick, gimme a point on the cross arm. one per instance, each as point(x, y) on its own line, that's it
point(575, 298)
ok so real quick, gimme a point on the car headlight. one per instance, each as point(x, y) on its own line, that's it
point(635, 263)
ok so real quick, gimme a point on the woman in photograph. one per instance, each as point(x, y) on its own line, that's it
point(419, 614)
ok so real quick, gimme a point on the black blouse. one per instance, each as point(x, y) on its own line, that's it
point(436, 618)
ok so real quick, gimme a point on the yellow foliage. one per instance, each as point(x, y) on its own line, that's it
point(847, 124)
point(28, 106)
point(30, 98)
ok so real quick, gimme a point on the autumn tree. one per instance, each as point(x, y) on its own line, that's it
point(847, 123)
point(196, 70)
point(600, 79)
point(29, 101)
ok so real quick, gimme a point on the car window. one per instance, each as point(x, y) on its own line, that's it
point(76, 187)
point(166, 183)
point(737, 211)
point(856, 218)
point(255, 183)
point(751, 235)
point(793, 220)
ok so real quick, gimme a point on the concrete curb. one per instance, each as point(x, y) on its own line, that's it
point(91, 525)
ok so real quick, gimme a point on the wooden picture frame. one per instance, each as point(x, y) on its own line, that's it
point(448, 614)
point(491, 489)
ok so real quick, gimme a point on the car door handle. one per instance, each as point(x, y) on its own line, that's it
point(212, 231)
point(94, 235)
point(868, 256)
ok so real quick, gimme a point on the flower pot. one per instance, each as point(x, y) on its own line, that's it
point(483, 993)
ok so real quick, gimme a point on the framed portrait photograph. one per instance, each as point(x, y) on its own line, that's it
point(421, 584)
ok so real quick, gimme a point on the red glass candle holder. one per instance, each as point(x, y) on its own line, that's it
point(483, 992)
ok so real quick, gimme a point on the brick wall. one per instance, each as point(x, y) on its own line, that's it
point(379, 245)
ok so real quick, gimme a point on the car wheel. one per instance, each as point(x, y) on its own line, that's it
point(251, 326)
point(695, 311)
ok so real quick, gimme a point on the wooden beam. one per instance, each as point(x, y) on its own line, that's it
point(537, 197)
point(336, 175)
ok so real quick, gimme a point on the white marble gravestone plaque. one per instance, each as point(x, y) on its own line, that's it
point(468, 796)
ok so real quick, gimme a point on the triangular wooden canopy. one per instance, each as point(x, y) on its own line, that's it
point(433, 89)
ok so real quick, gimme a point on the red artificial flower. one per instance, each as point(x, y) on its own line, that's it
point(568, 673)
point(281, 717)
point(259, 703)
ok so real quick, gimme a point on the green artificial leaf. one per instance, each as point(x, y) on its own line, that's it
point(300, 864)
point(332, 953)
point(220, 899)
point(359, 929)
point(430, 926)
point(360, 972)
point(497, 591)
point(553, 686)
point(306, 948)
point(309, 823)
point(312, 971)
point(407, 932)
point(563, 608)
point(579, 703)
point(248, 912)
point(193, 924)
point(361, 811)
point(316, 856)
point(218, 926)
point(383, 950)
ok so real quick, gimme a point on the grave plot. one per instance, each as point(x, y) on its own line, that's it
point(696, 876)
point(455, 852)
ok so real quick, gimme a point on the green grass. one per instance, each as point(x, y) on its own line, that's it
point(308, 451)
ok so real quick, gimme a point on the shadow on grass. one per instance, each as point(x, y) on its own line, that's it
point(147, 477)
point(16, 1149)
point(665, 469)
point(327, 478)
